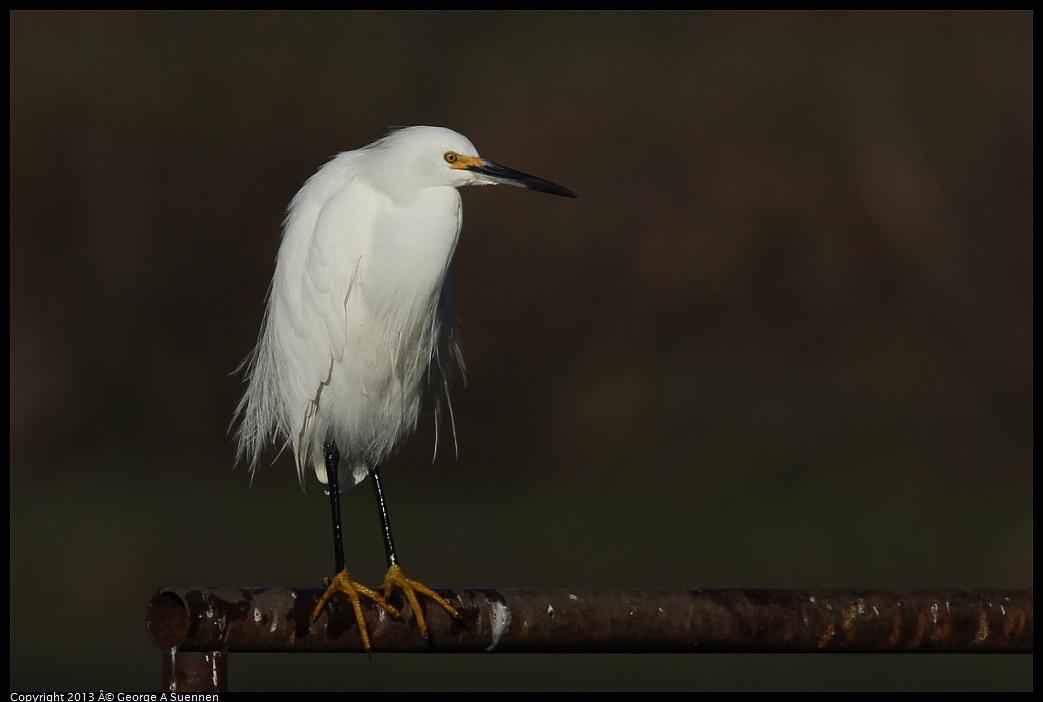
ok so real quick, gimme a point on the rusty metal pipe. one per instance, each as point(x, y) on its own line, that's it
point(195, 671)
point(606, 621)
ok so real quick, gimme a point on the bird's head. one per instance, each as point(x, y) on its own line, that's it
point(436, 156)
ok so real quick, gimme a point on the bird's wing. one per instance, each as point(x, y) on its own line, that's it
point(325, 239)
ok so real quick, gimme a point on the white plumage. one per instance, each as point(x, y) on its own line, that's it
point(358, 305)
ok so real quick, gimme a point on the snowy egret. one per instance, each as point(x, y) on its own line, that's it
point(357, 324)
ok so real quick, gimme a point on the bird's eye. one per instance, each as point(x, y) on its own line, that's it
point(451, 157)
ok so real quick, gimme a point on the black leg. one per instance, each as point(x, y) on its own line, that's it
point(395, 578)
point(332, 455)
point(389, 543)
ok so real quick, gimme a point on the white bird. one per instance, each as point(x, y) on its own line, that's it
point(357, 323)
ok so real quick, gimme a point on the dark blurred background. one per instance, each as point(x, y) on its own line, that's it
point(783, 339)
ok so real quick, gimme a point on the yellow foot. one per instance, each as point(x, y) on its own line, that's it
point(395, 578)
point(342, 582)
